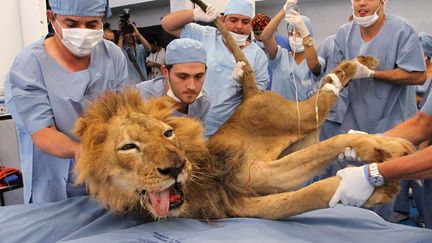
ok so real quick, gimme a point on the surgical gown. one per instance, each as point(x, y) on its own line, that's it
point(225, 93)
point(40, 93)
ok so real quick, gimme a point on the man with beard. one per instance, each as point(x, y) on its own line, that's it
point(183, 78)
point(224, 90)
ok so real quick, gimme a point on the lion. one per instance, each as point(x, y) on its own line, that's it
point(137, 155)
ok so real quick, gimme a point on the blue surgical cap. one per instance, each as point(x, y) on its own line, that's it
point(90, 8)
point(426, 41)
point(185, 50)
point(307, 22)
point(242, 7)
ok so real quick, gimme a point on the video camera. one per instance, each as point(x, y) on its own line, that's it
point(125, 26)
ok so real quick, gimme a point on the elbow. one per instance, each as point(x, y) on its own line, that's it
point(421, 78)
point(424, 122)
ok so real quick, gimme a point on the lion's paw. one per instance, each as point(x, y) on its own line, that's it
point(383, 195)
point(376, 148)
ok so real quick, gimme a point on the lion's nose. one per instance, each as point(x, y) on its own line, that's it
point(176, 169)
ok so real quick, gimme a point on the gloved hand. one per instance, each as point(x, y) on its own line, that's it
point(354, 188)
point(297, 21)
point(362, 71)
point(209, 16)
point(289, 3)
point(238, 71)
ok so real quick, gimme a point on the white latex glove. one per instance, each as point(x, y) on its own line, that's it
point(209, 16)
point(354, 189)
point(362, 71)
point(296, 20)
point(238, 71)
point(289, 3)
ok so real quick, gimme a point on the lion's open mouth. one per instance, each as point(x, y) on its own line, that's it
point(168, 199)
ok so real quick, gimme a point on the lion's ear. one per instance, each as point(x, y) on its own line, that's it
point(80, 127)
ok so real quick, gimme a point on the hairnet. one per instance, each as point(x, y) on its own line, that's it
point(185, 50)
point(426, 41)
point(260, 21)
point(91, 8)
point(242, 7)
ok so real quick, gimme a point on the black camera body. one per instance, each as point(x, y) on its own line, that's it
point(125, 26)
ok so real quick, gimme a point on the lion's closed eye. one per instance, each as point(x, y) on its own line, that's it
point(129, 146)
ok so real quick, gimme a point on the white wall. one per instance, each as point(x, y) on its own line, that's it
point(21, 23)
point(327, 17)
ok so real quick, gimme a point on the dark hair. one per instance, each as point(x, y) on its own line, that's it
point(153, 39)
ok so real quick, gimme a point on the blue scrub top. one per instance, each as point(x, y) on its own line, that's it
point(427, 107)
point(40, 93)
point(375, 106)
point(283, 42)
point(156, 88)
point(225, 93)
point(286, 70)
point(424, 91)
point(141, 58)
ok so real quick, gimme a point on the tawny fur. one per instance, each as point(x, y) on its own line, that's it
point(236, 173)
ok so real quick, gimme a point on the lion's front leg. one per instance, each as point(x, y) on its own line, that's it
point(315, 196)
point(293, 170)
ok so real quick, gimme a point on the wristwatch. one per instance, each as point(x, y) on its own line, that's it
point(308, 42)
point(375, 178)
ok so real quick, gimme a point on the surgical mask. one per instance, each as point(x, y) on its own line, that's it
point(296, 44)
point(80, 41)
point(367, 21)
point(260, 44)
point(240, 39)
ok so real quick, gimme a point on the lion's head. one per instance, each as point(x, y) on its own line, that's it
point(136, 153)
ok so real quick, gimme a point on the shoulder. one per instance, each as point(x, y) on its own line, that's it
point(109, 47)
point(152, 88)
point(31, 53)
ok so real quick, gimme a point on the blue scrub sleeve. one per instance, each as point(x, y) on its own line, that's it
point(28, 94)
point(427, 107)
point(410, 52)
point(196, 31)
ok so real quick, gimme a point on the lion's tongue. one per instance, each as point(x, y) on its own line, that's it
point(160, 202)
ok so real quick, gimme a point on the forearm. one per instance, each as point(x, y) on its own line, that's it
point(52, 141)
point(175, 22)
point(267, 36)
point(418, 164)
point(120, 42)
point(400, 76)
point(416, 129)
point(312, 58)
point(144, 42)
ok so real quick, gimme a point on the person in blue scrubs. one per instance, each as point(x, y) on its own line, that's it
point(49, 85)
point(225, 92)
point(378, 100)
point(135, 53)
point(296, 74)
point(259, 23)
point(183, 78)
point(355, 188)
point(381, 99)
